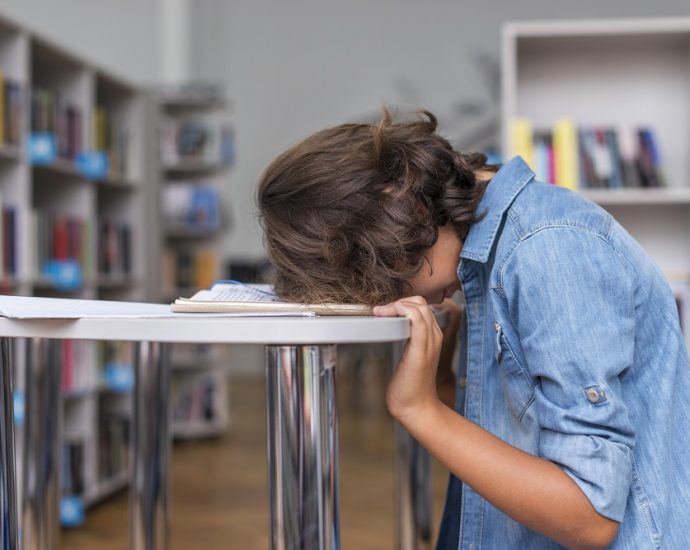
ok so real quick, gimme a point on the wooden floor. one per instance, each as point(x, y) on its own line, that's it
point(219, 495)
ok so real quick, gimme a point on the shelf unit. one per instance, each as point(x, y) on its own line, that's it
point(621, 74)
point(94, 248)
point(191, 256)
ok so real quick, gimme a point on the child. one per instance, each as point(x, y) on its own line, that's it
point(572, 419)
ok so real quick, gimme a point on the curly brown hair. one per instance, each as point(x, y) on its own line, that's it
point(349, 213)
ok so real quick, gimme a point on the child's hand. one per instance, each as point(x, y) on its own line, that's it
point(413, 385)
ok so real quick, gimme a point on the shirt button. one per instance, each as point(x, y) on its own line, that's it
point(595, 394)
point(462, 381)
point(592, 395)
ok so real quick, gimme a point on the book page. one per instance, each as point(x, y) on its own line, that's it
point(229, 292)
point(245, 298)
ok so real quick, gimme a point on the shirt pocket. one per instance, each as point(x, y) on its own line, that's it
point(517, 386)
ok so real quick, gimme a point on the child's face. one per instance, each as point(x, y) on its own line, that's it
point(438, 278)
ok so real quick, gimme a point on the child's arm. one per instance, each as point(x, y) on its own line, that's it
point(531, 490)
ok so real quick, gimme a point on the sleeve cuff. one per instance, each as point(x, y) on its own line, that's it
point(601, 468)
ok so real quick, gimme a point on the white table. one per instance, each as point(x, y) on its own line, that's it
point(302, 416)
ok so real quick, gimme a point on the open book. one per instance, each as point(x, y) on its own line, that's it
point(232, 297)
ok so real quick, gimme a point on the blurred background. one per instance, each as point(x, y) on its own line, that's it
point(291, 69)
point(175, 107)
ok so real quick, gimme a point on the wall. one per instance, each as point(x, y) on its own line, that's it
point(121, 35)
point(294, 67)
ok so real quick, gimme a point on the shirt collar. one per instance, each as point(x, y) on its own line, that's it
point(499, 195)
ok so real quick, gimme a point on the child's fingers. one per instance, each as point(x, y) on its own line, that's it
point(415, 308)
point(387, 310)
point(421, 305)
point(401, 307)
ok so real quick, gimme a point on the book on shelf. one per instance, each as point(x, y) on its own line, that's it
point(116, 360)
point(191, 207)
point(195, 399)
point(50, 115)
point(565, 155)
point(8, 241)
point(72, 478)
point(187, 268)
point(111, 136)
point(197, 140)
point(589, 157)
point(61, 240)
point(113, 445)
point(11, 108)
point(79, 368)
point(259, 299)
point(114, 248)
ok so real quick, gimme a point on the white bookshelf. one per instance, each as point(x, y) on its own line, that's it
point(59, 187)
point(193, 368)
point(620, 74)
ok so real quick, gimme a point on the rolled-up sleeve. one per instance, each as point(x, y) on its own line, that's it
point(571, 299)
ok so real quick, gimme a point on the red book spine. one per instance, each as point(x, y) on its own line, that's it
point(552, 164)
point(78, 241)
point(60, 238)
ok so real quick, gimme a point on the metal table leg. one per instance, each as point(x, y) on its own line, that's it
point(413, 494)
point(302, 447)
point(8, 493)
point(412, 487)
point(41, 458)
point(149, 522)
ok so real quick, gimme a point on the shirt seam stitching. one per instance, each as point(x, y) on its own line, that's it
point(481, 400)
point(532, 396)
point(535, 231)
point(640, 496)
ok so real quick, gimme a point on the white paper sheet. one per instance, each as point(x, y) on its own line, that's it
point(23, 307)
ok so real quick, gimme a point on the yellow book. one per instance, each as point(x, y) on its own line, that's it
point(522, 139)
point(206, 268)
point(168, 273)
point(565, 153)
point(98, 129)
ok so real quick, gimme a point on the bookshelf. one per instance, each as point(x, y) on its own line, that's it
point(621, 74)
point(72, 199)
point(195, 152)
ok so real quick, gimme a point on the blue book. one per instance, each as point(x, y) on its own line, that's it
point(616, 180)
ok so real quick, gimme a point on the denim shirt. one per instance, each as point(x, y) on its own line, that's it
point(572, 351)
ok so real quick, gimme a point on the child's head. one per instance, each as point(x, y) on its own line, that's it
point(351, 212)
